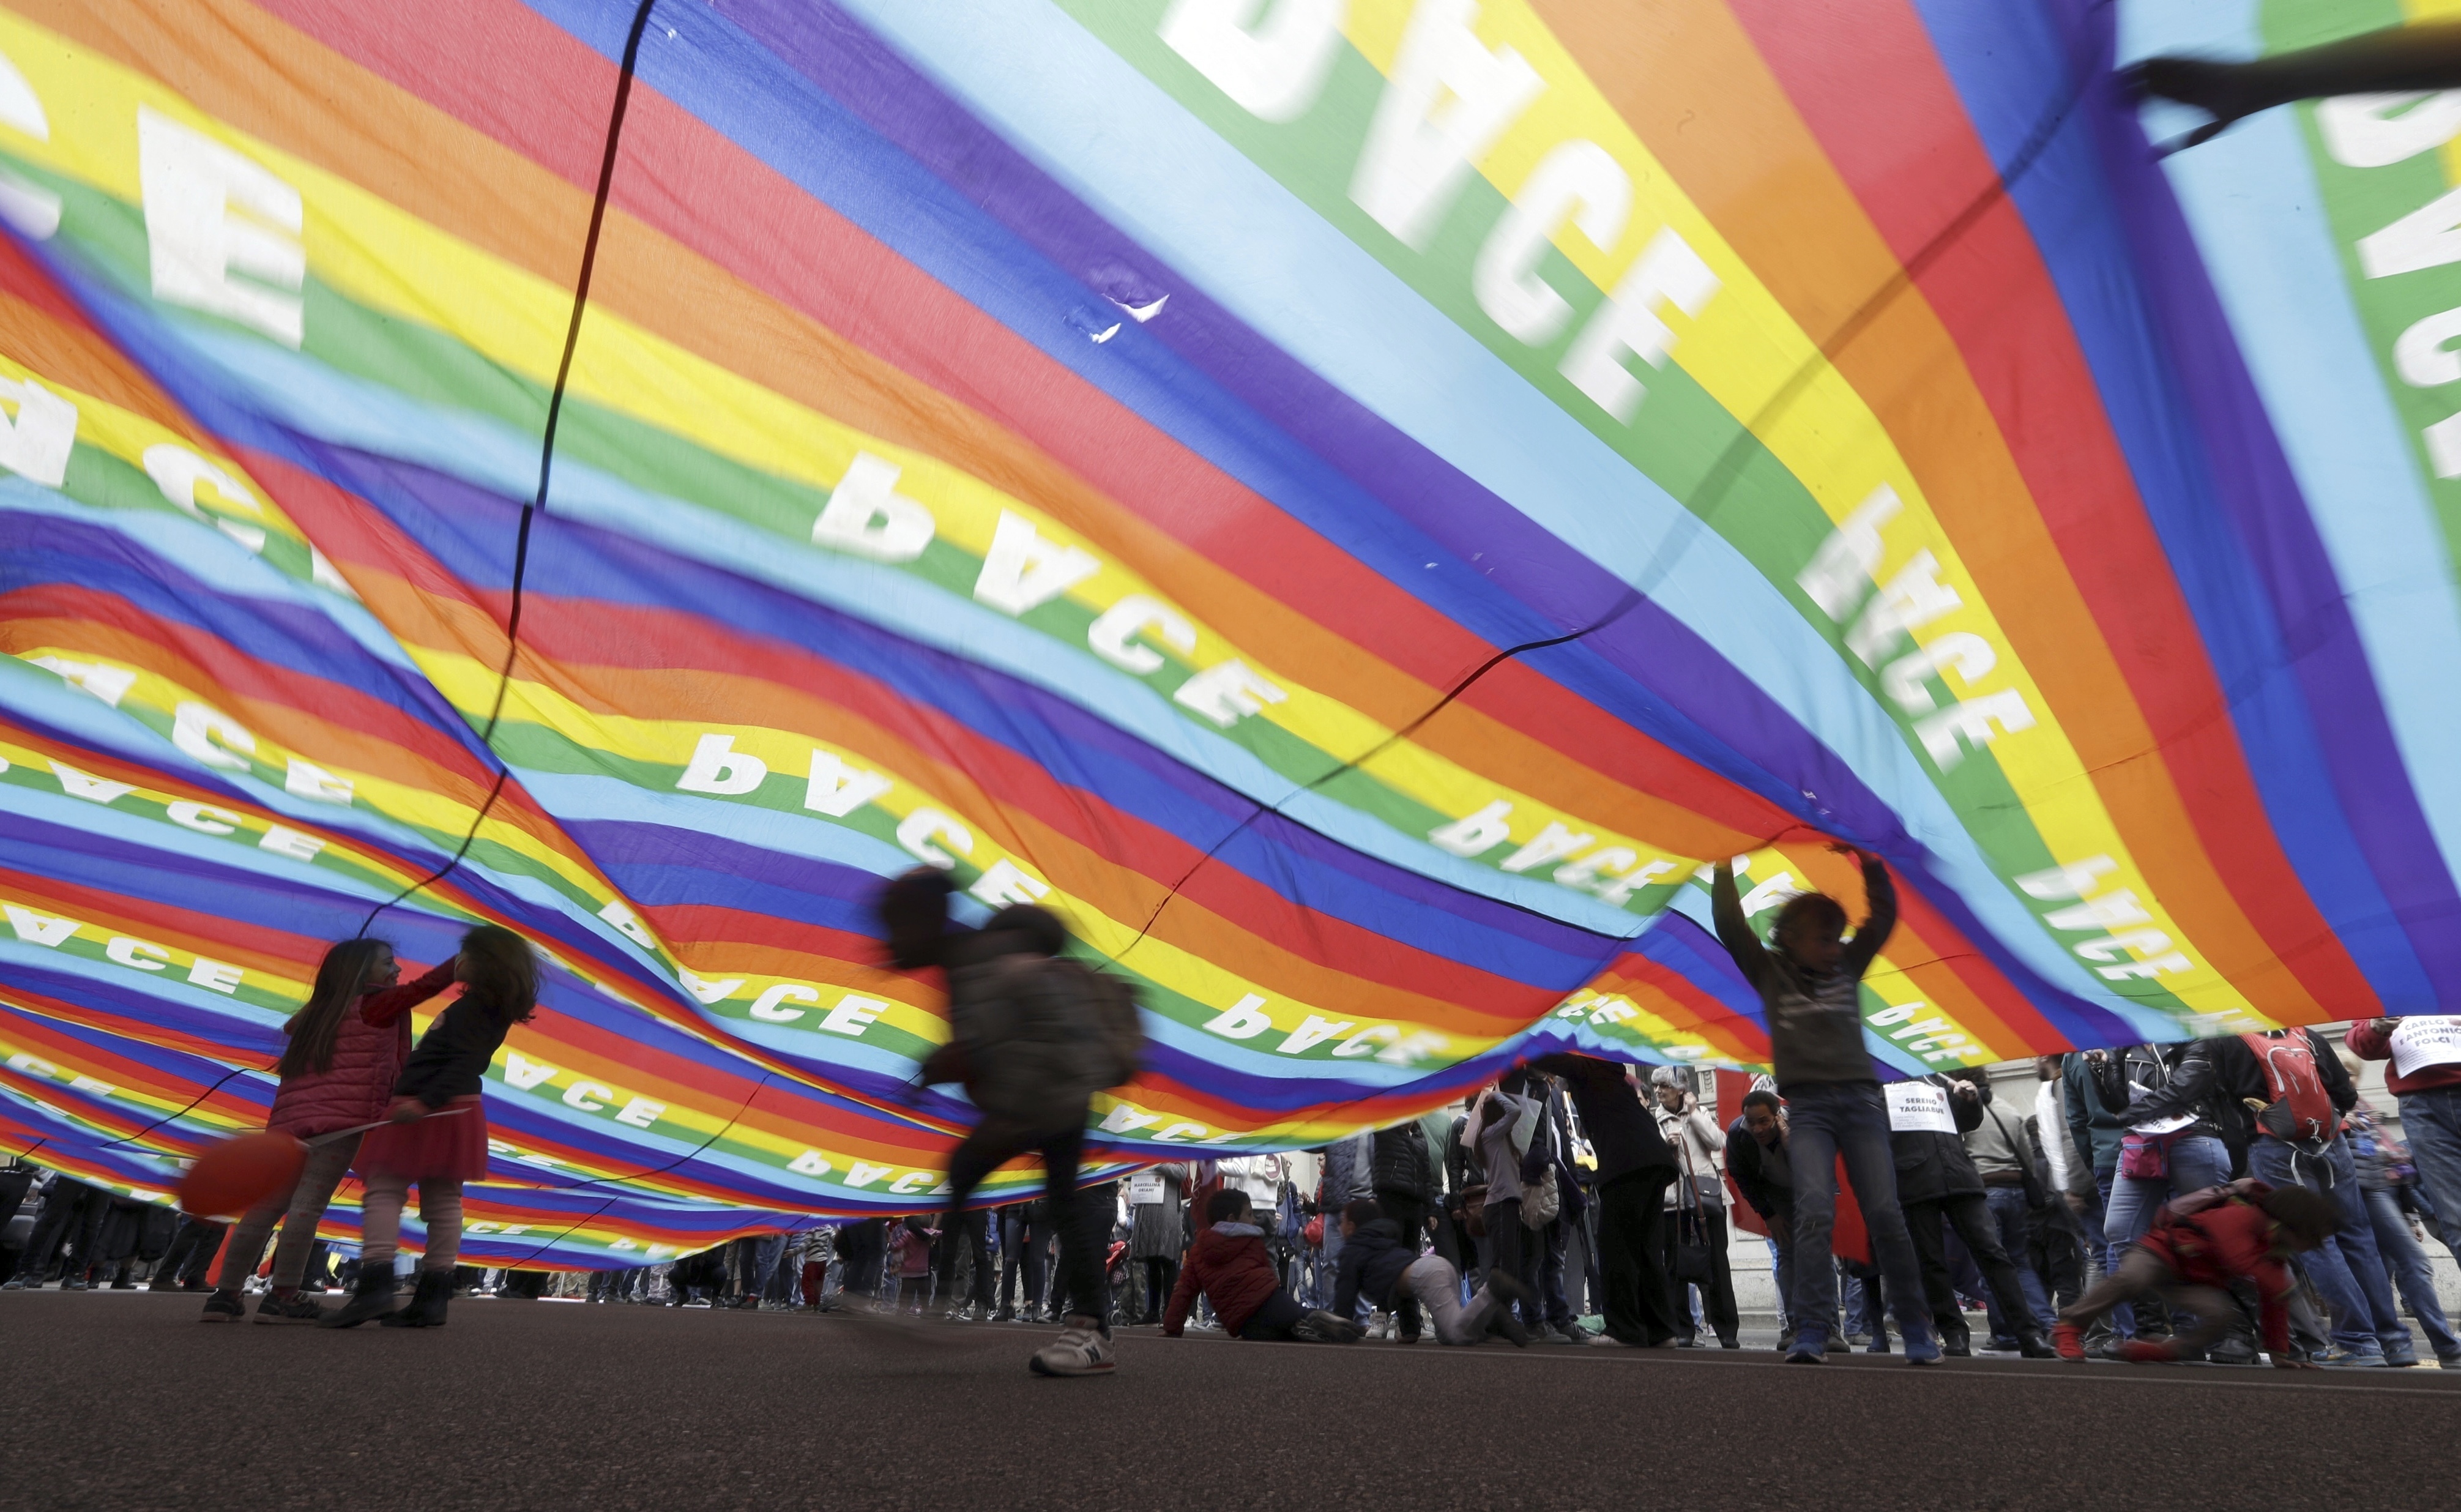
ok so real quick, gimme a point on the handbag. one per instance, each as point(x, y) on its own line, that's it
point(2145, 1156)
point(1541, 1201)
point(1691, 1247)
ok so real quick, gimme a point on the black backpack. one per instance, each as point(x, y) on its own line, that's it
point(1039, 1034)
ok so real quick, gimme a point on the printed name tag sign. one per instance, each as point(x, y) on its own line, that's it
point(1917, 1107)
point(2418, 1043)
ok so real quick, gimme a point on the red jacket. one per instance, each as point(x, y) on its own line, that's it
point(369, 1047)
point(2220, 1243)
point(1233, 1272)
point(2372, 1040)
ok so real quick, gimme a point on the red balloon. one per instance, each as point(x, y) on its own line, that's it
point(237, 1174)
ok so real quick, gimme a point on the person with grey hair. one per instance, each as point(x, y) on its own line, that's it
point(1694, 1228)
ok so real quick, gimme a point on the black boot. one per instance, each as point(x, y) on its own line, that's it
point(374, 1299)
point(426, 1309)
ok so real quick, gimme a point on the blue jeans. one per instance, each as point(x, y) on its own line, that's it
point(1781, 1273)
point(2360, 1324)
point(1829, 1119)
point(765, 1255)
point(2410, 1271)
point(2097, 1232)
point(1328, 1265)
point(2431, 1121)
point(2015, 1222)
point(2198, 1161)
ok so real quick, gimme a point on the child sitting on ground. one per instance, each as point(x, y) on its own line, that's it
point(2200, 1244)
point(1378, 1265)
point(1229, 1264)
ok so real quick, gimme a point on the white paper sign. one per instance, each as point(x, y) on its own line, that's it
point(1145, 1187)
point(1917, 1107)
point(2418, 1043)
point(2163, 1125)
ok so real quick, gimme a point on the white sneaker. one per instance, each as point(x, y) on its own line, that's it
point(1080, 1350)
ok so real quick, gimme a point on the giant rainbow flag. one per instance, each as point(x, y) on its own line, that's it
point(1353, 502)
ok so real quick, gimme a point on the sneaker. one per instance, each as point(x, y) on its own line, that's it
point(1837, 1346)
point(2232, 1351)
point(1880, 1346)
point(1807, 1357)
point(2401, 1355)
point(1320, 1326)
point(2149, 1352)
point(1608, 1341)
point(293, 1309)
point(2449, 1362)
point(2348, 1359)
point(12, 1283)
point(2067, 1342)
point(1083, 1348)
point(1569, 1332)
point(1932, 1358)
point(224, 1306)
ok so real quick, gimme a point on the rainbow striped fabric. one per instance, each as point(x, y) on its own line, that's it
point(1353, 502)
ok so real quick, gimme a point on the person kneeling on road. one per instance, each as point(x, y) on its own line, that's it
point(1378, 1265)
point(1229, 1264)
point(2200, 1243)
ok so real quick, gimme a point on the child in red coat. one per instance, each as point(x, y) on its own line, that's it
point(910, 1245)
point(2200, 1244)
point(437, 1134)
point(341, 1052)
point(1229, 1263)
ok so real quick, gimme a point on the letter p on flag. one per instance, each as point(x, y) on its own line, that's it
point(718, 767)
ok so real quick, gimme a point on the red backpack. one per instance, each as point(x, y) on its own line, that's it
point(2300, 1111)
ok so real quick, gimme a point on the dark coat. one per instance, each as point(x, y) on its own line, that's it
point(1401, 1163)
point(1372, 1261)
point(2213, 1078)
point(1934, 1166)
point(1744, 1164)
point(1622, 1131)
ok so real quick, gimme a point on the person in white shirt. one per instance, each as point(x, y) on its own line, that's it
point(1696, 1202)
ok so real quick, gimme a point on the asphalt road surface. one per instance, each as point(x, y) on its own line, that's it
point(123, 1401)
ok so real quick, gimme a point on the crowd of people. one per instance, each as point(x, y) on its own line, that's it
point(2230, 1200)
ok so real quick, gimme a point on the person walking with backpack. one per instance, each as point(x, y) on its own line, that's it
point(1033, 1037)
point(2287, 1091)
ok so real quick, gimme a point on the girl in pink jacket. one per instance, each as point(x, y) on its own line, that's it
point(346, 1045)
